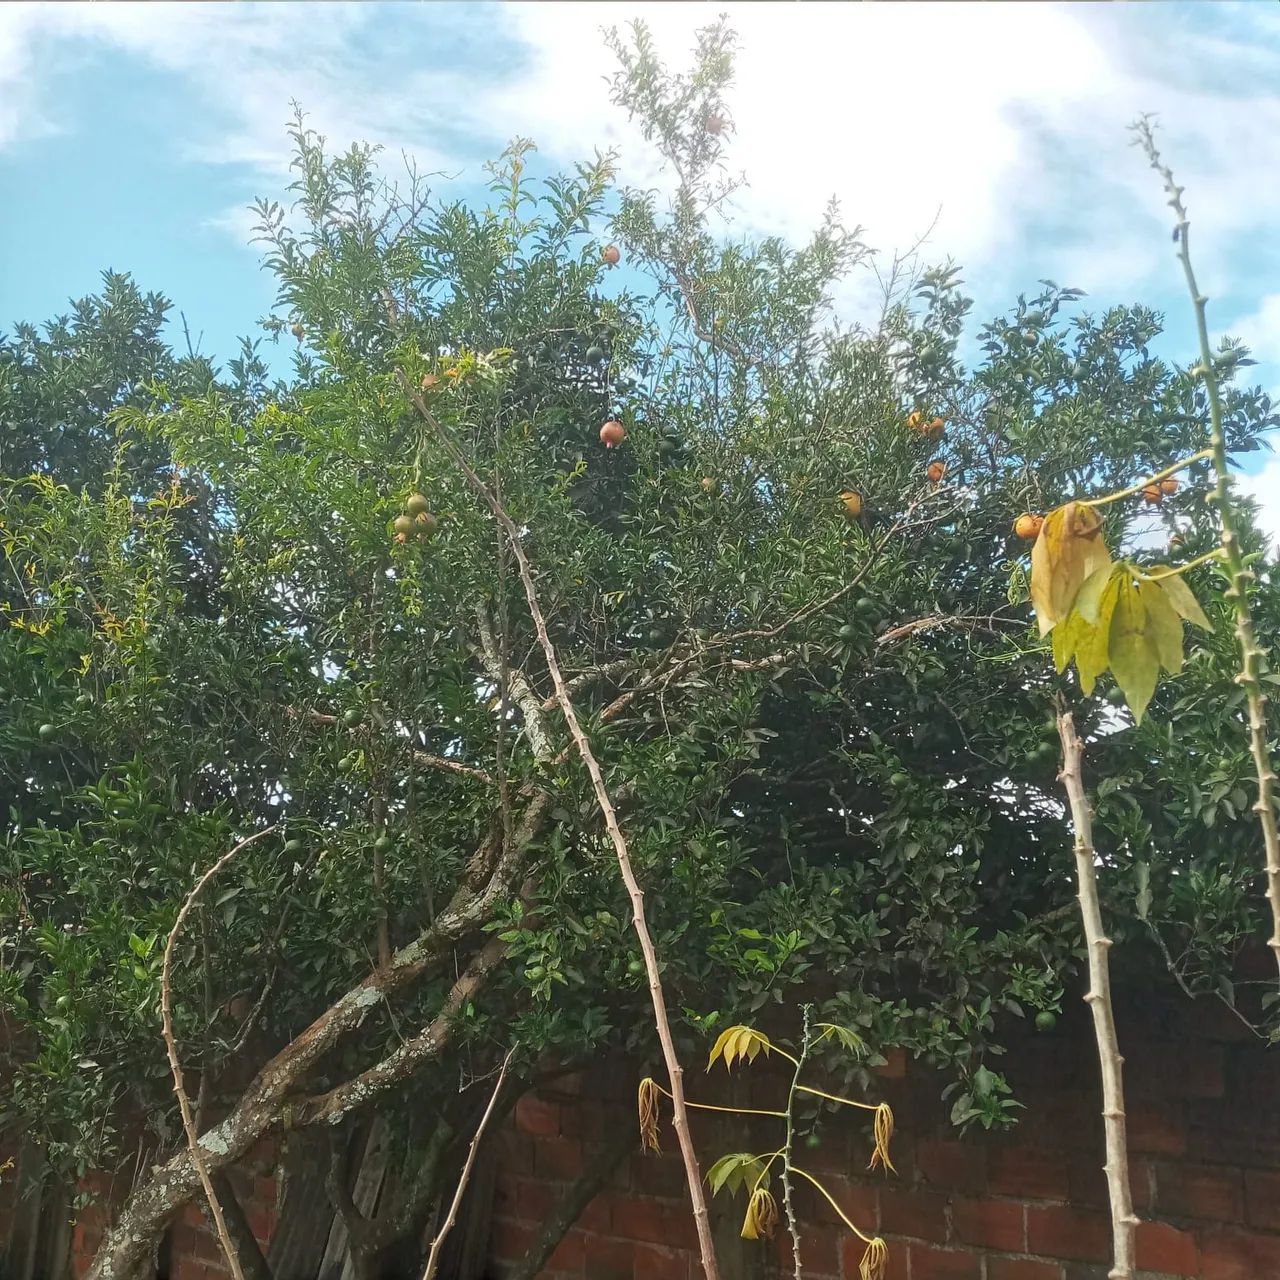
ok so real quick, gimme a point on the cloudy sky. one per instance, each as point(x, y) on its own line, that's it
point(133, 136)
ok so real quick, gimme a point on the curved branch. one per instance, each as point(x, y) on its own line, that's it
point(175, 1064)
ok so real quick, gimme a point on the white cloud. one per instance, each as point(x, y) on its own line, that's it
point(1264, 487)
point(1010, 118)
point(1260, 330)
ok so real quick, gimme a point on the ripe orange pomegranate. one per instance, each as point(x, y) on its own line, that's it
point(1169, 484)
point(935, 429)
point(298, 331)
point(611, 255)
point(1027, 526)
point(852, 500)
point(612, 434)
point(936, 470)
point(1152, 494)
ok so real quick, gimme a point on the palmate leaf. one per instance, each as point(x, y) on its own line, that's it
point(737, 1170)
point(850, 1040)
point(1129, 623)
point(1068, 550)
point(738, 1042)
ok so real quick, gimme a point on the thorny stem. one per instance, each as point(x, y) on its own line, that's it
point(433, 1257)
point(680, 1117)
point(1239, 576)
point(1098, 998)
point(175, 1065)
point(792, 1225)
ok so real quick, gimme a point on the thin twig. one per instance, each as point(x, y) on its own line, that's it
point(175, 1065)
point(1124, 1223)
point(680, 1118)
point(433, 1258)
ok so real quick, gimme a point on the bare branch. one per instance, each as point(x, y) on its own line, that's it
point(675, 1073)
point(433, 1257)
point(526, 699)
point(175, 1064)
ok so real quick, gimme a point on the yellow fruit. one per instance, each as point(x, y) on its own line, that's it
point(915, 421)
point(852, 500)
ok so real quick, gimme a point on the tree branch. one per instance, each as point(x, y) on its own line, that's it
point(1123, 1221)
point(175, 1064)
point(675, 1073)
point(433, 1256)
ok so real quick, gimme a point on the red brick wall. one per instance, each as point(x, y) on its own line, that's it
point(1204, 1131)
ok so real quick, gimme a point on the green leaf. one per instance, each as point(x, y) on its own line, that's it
point(1184, 603)
point(1132, 654)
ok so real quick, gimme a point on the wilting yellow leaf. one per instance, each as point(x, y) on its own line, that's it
point(1092, 653)
point(1067, 638)
point(1132, 653)
point(1069, 549)
point(738, 1042)
point(1184, 603)
point(762, 1216)
point(1164, 626)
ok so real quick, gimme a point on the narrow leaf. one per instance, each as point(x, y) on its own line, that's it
point(1130, 649)
point(1184, 602)
point(1164, 626)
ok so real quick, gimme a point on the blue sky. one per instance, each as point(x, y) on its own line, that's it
point(133, 136)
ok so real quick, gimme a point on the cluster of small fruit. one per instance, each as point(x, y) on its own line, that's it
point(1027, 526)
point(416, 521)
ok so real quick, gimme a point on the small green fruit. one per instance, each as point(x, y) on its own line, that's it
point(1115, 696)
point(812, 1141)
point(351, 717)
point(635, 968)
point(47, 732)
point(293, 846)
point(883, 900)
point(403, 525)
point(900, 779)
point(848, 632)
point(384, 844)
point(536, 973)
point(866, 607)
point(1046, 1020)
point(417, 505)
point(595, 355)
point(425, 524)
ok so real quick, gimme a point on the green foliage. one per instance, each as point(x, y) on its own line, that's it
point(827, 734)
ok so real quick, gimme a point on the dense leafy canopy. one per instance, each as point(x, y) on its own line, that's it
point(831, 737)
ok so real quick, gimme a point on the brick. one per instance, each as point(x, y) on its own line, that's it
point(919, 1214)
point(1156, 1130)
point(609, 1259)
point(557, 1158)
point(511, 1240)
point(655, 1262)
point(658, 1176)
point(1027, 1173)
point(1204, 1192)
point(639, 1219)
point(860, 1201)
point(537, 1116)
point(894, 1066)
point(1237, 1255)
point(1262, 1199)
point(956, 1166)
point(820, 1250)
point(1174, 1069)
point(944, 1264)
point(598, 1214)
point(1166, 1249)
point(1022, 1269)
point(1057, 1231)
point(992, 1224)
point(534, 1200)
point(569, 1254)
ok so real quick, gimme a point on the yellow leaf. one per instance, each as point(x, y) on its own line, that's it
point(738, 1042)
point(1132, 653)
point(1163, 626)
point(1093, 649)
point(1184, 603)
point(1067, 638)
point(1069, 549)
point(1089, 597)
